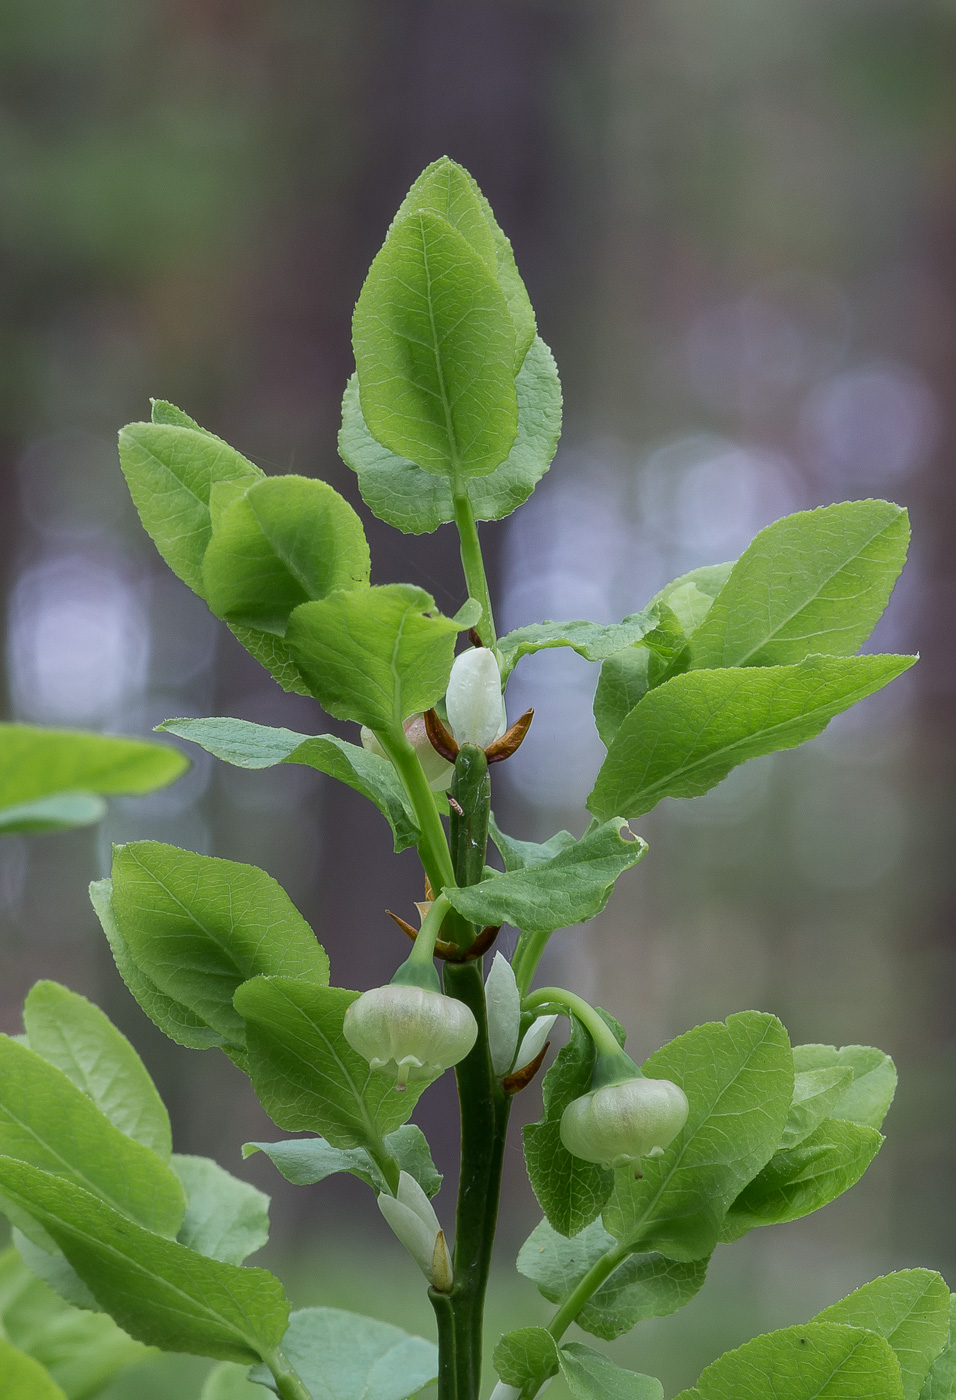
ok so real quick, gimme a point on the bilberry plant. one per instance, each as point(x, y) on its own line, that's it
point(641, 1171)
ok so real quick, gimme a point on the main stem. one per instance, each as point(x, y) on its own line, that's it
point(484, 1109)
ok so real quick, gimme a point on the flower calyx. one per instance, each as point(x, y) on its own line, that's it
point(450, 952)
point(624, 1117)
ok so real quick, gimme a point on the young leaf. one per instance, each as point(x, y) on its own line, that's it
point(350, 1357)
point(687, 735)
point(306, 1161)
point(446, 188)
point(47, 1121)
point(170, 471)
point(82, 1351)
point(738, 1079)
point(375, 655)
point(813, 583)
point(52, 779)
point(434, 349)
point(570, 1191)
point(571, 887)
point(226, 1219)
point(306, 1074)
point(416, 501)
point(198, 927)
point(284, 541)
point(524, 855)
point(820, 1361)
point(157, 1290)
point(45, 1261)
point(529, 1354)
point(73, 1034)
point(910, 1310)
point(805, 1178)
point(591, 1376)
point(592, 640)
point(247, 745)
point(871, 1091)
point(643, 1286)
point(940, 1384)
point(691, 596)
point(22, 1378)
point(815, 1093)
point(174, 1019)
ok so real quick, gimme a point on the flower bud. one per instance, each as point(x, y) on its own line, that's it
point(533, 1039)
point(503, 1003)
point(620, 1123)
point(412, 1217)
point(473, 701)
point(438, 770)
point(410, 1032)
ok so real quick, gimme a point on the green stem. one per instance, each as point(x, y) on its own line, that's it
point(474, 566)
point(605, 1042)
point(447, 1350)
point(432, 844)
point(423, 949)
point(528, 954)
point(588, 1285)
point(288, 1382)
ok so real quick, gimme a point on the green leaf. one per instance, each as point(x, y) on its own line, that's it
point(591, 1376)
point(73, 1034)
point(813, 583)
point(805, 1178)
point(571, 887)
point(940, 1384)
point(227, 1381)
point(47, 1121)
point(306, 1074)
point(738, 1079)
point(910, 1310)
point(51, 779)
point(819, 1361)
point(47, 1262)
point(434, 349)
point(416, 501)
point(247, 745)
point(284, 541)
point(570, 1191)
point(170, 470)
point(58, 813)
point(687, 735)
point(691, 596)
point(523, 855)
point(82, 1351)
point(22, 1378)
point(643, 1286)
point(446, 189)
point(225, 1218)
point(162, 411)
point(375, 655)
point(529, 1354)
point(157, 1290)
point(198, 927)
point(874, 1079)
point(592, 640)
point(306, 1161)
point(174, 1019)
point(343, 1355)
point(272, 653)
point(815, 1094)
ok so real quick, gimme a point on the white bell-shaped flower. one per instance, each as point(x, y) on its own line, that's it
point(410, 1032)
point(620, 1123)
point(473, 701)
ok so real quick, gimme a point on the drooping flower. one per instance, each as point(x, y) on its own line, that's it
point(620, 1123)
point(409, 1031)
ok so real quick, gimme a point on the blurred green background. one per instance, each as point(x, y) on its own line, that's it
point(737, 223)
